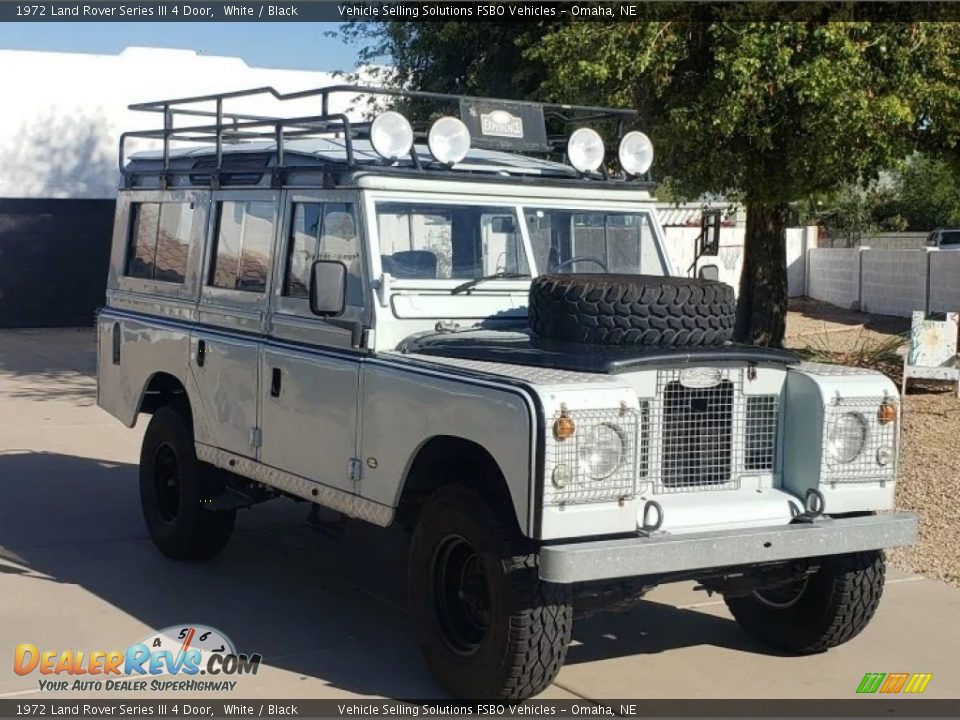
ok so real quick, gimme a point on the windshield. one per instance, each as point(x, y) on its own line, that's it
point(426, 242)
point(590, 241)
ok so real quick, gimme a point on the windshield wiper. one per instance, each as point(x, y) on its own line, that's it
point(496, 276)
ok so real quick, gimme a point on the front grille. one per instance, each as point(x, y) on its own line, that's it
point(760, 436)
point(697, 434)
point(707, 438)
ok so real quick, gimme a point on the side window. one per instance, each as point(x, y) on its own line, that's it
point(322, 231)
point(244, 233)
point(159, 241)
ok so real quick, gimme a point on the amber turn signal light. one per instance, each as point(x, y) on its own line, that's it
point(564, 427)
point(887, 413)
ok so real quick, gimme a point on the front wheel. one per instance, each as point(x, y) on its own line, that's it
point(487, 625)
point(175, 486)
point(825, 609)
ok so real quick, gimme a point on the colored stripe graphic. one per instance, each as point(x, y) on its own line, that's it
point(871, 683)
point(892, 683)
point(918, 682)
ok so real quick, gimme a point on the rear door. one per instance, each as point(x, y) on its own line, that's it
point(232, 314)
point(311, 367)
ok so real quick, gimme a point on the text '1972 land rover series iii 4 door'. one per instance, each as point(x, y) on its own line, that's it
point(469, 325)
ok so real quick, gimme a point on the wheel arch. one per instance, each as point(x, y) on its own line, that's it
point(160, 389)
point(443, 459)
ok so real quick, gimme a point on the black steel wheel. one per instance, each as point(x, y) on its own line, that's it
point(175, 487)
point(487, 625)
point(166, 482)
point(461, 594)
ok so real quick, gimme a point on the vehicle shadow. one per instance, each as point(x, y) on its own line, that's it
point(325, 605)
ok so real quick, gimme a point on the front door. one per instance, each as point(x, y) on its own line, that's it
point(310, 367)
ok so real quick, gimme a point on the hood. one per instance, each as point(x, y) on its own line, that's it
point(519, 347)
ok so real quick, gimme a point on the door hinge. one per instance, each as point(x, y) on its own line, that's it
point(354, 470)
point(256, 437)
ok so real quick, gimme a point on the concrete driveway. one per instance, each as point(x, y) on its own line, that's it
point(328, 613)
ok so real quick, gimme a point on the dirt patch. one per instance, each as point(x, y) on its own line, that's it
point(929, 472)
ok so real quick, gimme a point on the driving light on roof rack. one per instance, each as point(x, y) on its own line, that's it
point(391, 135)
point(636, 153)
point(585, 150)
point(449, 140)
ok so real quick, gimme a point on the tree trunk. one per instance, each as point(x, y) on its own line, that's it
point(762, 303)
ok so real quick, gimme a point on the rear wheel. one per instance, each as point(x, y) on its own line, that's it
point(487, 626)
point(819, 612)
point(175, 486)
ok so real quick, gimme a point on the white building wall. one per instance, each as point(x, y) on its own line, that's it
point(63, 112)
point(681, 247)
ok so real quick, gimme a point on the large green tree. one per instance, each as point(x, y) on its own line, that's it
point(928, 193)
point(763, 112)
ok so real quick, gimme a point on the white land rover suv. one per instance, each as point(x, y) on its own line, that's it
point(433, 324)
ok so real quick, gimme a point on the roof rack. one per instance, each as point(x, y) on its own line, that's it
point(231, 126)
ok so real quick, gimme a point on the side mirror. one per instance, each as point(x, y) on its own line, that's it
point(709, 272)
point(710, 233)
point(328, 287)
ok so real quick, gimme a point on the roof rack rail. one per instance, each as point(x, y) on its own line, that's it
point(244, 126)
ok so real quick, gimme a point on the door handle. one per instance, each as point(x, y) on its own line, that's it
point(201, 352)
point(275, 383)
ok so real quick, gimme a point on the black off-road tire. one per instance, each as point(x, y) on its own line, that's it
point(632, 310)
point(837, 603)
point(525, 641)
point(185, 529)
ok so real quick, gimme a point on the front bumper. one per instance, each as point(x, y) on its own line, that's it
point(662, 554)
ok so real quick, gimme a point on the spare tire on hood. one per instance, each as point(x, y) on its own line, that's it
point(632, 310)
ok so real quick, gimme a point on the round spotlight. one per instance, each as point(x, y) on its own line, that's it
point(636, 153)
point(585, 150)
point(449, 140)
point(391, 135)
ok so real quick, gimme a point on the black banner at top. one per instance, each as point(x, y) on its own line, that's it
point(446, 10)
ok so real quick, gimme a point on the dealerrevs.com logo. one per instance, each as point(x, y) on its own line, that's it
point(172, 659)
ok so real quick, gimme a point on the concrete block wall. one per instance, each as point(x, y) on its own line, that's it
point(945, 281)
point(893, 282)
point(833, 276)
point(885, 282)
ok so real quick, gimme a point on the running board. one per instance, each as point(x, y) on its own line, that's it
point(349, 504)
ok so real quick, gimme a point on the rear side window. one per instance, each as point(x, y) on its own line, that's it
point(244, 234)
point(322, 231)
point(160, 241)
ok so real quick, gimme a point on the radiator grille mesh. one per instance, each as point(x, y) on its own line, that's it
point(708, 437)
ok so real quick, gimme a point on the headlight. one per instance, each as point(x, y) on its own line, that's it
point(601, 450)
point(847, 437)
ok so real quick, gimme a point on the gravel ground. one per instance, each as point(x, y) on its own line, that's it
point(929, 472)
